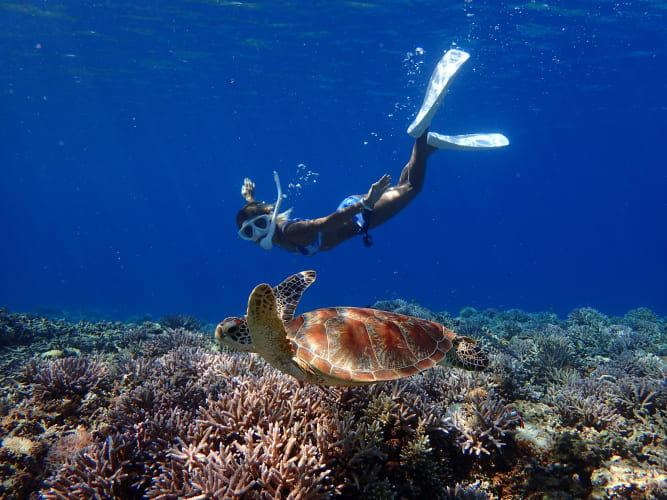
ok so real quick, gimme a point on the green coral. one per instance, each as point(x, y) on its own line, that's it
point(417, 452)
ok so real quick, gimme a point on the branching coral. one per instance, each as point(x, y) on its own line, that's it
point(181, 321)
point(471, 328)
point(105, 470)
point(645, 321)
point(587, 402)
point(386, 448)
point(63, 378)
point(266, 435)
point(510, 329)
point(523, 349)
point(562, 376)
point(464, 493)
point(401, 306)
point(154, 345)
point(67, 446)
point(262, 463)
point(638, 397)
point(641, 365)
point(485, 424)
point(587, 316)
point(24, 329)
point(554, 351)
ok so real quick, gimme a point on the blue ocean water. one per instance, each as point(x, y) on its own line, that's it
point(128, 128)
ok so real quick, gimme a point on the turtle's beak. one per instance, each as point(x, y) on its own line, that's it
point(220, 332)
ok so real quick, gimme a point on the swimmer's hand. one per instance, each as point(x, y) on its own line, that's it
point(376, 191)
point(248, 190)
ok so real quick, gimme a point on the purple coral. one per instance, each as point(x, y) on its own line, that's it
point(485, 425)
point(102, 471)
point(67, 377)
point(587, 402)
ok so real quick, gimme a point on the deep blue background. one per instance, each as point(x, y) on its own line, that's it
point(127, 130)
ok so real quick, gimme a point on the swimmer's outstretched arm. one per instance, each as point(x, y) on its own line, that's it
point(303, 232)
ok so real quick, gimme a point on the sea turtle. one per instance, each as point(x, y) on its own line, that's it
point(344, 346)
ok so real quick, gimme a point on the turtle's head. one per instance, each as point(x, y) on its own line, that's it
point(234, 332)
point(469, 355)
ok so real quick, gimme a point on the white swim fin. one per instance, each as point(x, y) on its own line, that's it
point(437, 88)
point(467, 142)
point(440, 80)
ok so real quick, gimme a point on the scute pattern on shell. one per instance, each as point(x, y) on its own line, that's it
point(367, 345)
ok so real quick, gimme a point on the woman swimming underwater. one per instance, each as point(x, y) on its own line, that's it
point(264, 224)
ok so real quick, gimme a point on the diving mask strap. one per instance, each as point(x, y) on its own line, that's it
point(267, 242)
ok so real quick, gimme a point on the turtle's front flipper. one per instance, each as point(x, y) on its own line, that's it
point(289, 292)
point(268, 332)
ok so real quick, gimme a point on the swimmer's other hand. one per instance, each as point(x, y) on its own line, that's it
point(248, 190)
point(376, 191)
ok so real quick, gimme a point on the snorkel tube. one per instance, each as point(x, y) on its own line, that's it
point(267, 242)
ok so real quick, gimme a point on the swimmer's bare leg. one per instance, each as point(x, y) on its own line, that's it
point(410, 183)
point(415, 170)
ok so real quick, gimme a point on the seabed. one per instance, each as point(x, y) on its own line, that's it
point(568, 408)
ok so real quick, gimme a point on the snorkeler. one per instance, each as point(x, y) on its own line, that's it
point(264, 224)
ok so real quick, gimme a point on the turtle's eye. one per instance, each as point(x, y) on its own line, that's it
point(233, 329)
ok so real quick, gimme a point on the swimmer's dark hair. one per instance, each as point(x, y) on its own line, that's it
point(253, 209)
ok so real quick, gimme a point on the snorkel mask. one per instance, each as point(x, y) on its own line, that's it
point(263, 226)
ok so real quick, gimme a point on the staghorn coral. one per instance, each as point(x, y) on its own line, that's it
point(646, 322)
point(510, 329)
point(385, 450)
point(22, 329)
point(515, 316)
point(471, 328)
point(266, 435)
point(159, 343)
point(587, 316)
point(105, 470)
point(459, 492)
point(484, 425)
point(523, 349)
point(510, 375)
point(640, 365)
point(181, 321)
point(262, 463)
point(625, 338)
point(587, 402)
point(401, 306)
point(554, 350)
point(562, 376)
point(70, 378)
point(639, 397)
point(426, 472)
point(66, 446)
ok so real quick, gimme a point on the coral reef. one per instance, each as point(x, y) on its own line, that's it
point(573, 408)
point(182, 322)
